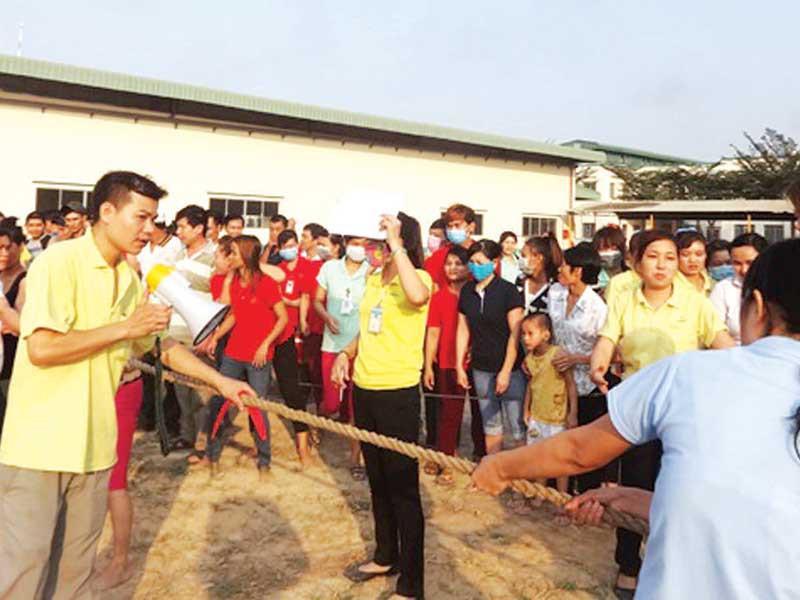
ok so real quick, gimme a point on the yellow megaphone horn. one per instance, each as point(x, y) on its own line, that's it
point(202, 315)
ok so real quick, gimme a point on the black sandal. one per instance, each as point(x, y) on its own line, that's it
point(356, 575)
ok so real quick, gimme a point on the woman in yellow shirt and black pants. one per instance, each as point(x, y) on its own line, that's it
point(388, 362)
point(648, 323)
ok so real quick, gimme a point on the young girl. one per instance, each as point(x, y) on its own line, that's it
point(256, 322)
point(552, 399)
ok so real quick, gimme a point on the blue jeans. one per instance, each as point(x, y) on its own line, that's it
point(258, 378)
point(494, 408)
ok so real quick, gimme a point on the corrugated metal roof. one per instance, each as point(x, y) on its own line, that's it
point(585, 193)
point(68, 74)
point(719, 207)
point(633, 152)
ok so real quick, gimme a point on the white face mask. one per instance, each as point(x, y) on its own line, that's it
point(356, 253)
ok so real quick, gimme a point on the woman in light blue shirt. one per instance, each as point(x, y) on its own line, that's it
point(723, 520)
point(341, 288)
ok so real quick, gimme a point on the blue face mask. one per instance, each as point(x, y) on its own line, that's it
point(721, 272)
point(456, 236)
point(481, 272)
point(288, 254)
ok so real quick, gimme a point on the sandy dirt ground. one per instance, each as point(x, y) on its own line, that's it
point(292, 534)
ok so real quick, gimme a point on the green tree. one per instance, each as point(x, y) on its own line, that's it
point(762, 171)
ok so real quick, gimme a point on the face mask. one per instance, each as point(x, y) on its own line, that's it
point(457, 236)
point(323, 252)
point(611, 259)
point(603, 279)
point(434, 243)
point(288, 254)
point(356, 253)
point(481, 272)
point(524, 267)
point(721, 272)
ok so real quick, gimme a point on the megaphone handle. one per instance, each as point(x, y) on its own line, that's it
point(158, 396)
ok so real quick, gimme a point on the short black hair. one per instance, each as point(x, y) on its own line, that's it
point(489, 248)
point(115, 187)
point(584, 255)
point(649, 237)
point(507, 234)
point(286, 235)
point(12, 232)
point(687, 237)
point(438, 224)
point(758, 242)
point(230, 218)
point(459, 252)
point(34, 215)
point(279, 219)
point(316, 230)
point(51, 214)
point(73, 207)
point(194, 215)
point(216, 215)
point(542, 319)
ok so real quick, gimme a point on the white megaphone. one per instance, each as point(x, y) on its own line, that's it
point(202, 315)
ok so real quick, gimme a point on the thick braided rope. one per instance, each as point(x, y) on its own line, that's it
point(529, 489)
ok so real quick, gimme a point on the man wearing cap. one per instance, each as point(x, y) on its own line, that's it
point(74, 215)
point(85, 316)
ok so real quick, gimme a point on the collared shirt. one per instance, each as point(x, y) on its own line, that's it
point(391, 358)
point(708, 283)
point(343, 291)
point(165, 253)
point(577, 332)
point(686, 321)
point(197, 268)
point(487, 314)
point(62, 417)
point(727, 299)
point(723, 522)
point(621, 283)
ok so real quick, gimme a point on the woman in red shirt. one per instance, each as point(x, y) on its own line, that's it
point(443, 415)
point(256, 322)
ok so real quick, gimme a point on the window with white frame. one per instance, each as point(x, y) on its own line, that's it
point(588, 230)
point(50, 197)
point(773, 233)
point(532, 225)
point(255, 210)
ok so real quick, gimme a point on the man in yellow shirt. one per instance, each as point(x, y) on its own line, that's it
point(85, 316)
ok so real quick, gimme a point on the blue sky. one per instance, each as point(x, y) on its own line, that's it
point(678, 77)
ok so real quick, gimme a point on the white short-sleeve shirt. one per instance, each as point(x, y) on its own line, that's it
point(727, 299)
point(577, 332)
point(725, 520)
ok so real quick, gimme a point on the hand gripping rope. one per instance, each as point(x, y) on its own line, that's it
point(529, 489)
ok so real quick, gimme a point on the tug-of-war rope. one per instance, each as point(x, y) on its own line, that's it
point(529, 489)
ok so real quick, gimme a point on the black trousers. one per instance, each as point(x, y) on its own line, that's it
point(591, 407)
point(394, 483)
point(285, 364)
point(639, 468)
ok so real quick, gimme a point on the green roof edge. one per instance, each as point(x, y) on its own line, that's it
point(598, 147)
point(69, 74)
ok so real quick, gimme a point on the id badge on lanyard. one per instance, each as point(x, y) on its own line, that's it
point(347, 305)
point(376, 316)
point(289, 287)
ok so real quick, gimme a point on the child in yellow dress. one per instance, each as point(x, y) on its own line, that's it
point(552, 399)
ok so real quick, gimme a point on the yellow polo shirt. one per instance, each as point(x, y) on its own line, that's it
point(391, 358)
point(627, 281)
point(62, 418)
point(687, 321)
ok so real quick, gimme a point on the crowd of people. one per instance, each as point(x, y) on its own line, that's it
point(534, 339)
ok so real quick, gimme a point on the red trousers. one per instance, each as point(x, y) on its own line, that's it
point(451, 413)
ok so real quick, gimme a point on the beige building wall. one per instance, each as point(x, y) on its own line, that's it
point(53, 147)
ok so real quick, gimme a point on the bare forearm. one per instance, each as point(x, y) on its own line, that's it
point(410, 281)
point(179, 358)
point(602, 354)
point(49, 348)
point(9, 316)
point(351, 349)
point(462, 341)
point(573, 452)
point(431, 346)
point(511, 354)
